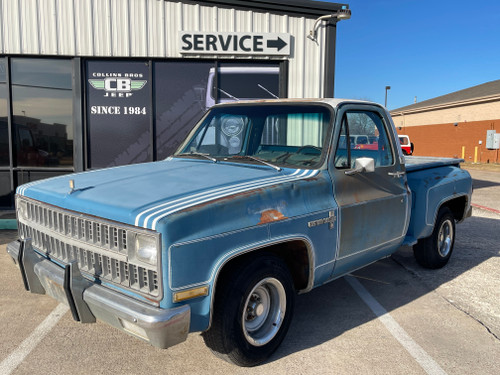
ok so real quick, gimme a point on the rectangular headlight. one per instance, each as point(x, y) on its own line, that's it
point(146, 249)
point(22, 209)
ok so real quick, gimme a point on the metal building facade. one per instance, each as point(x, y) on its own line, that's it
point(54, 54)
point(149, 28)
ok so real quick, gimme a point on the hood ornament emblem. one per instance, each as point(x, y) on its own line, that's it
point(71, 186)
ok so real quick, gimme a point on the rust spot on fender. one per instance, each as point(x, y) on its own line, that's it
point(269, 216)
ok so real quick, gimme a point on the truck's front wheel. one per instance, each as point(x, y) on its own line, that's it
point(435, 251)
point(252, 312)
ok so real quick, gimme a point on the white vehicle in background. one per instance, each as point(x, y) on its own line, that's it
point(406, 145)
point(242, 83)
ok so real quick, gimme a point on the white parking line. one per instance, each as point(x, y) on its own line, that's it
point(420, 355)
point(15, 358)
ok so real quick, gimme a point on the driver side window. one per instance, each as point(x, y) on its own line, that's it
point(363, 134)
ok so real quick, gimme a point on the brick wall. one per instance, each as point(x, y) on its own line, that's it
point(447, 139)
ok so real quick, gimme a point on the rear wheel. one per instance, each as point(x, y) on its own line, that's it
point(252, 312)
point(435, 250)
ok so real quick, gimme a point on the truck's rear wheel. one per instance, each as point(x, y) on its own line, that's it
point(435, 251)
point(252, 312)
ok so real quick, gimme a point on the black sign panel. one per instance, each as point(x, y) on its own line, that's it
point(118, 112)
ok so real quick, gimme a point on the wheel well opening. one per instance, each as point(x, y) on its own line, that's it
point(457, 207)
point(293, 253)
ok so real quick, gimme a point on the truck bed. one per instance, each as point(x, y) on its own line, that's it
point(417, 163)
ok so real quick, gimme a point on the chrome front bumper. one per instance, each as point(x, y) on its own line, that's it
point(89, 301)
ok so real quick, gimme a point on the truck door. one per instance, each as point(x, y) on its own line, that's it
point(373, 206)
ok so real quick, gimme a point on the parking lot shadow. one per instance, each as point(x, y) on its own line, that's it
point(481, 184)
point(333, 309)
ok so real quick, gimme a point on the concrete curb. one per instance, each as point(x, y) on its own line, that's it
point(485, 208)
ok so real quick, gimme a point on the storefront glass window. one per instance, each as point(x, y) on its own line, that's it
point(244, 81)
point(43, 122)
point(181, 99)
point(5, 187)
point(5, 190)
point(42, 106)
point(42, 72)
point(4, 134)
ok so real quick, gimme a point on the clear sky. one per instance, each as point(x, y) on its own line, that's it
point(419, 48)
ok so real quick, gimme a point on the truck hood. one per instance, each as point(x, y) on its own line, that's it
point(143, 194)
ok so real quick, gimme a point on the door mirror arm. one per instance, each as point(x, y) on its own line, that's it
point(362, 165)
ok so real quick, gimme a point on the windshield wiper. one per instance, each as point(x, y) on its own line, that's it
point(266, 90)
point(229, 95)
point(257, 159)
point(198, 154)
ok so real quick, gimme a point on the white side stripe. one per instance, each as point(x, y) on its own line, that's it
point(155, 209)
point(170, 210)
point(205, 197)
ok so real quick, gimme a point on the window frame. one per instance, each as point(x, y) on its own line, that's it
point(343, 111)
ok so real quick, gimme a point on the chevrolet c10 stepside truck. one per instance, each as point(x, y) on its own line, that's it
point(263, 200)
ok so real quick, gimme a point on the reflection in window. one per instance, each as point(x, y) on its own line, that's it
point(3, 70)
point(43, 126)
point(4, 132)
point(243, 81)
point(177, 111)
point(367, 138)
point(5, 190)
point(42, 72)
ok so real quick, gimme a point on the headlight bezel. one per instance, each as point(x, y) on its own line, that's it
point(22, 209)
point(145, 243)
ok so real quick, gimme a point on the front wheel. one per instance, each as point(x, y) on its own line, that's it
point(435, 251)
point(252, 312)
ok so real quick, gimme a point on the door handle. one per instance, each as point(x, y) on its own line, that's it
point(398, 174)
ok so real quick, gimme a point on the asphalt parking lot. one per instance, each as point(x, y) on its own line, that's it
point(390, 317)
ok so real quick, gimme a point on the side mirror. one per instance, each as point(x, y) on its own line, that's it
point(362, 165)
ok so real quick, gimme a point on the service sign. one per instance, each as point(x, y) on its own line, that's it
point(194, 42)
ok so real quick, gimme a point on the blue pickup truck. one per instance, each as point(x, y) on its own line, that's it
point(263, 200)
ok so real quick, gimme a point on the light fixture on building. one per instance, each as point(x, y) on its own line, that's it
point(455, 124)
point(341, 14)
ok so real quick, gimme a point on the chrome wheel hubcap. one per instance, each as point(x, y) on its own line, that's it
point(445, 238)
point(264, 311)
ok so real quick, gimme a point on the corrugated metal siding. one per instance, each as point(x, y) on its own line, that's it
point(149, 28)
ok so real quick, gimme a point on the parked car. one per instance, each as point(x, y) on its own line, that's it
point(406, 145)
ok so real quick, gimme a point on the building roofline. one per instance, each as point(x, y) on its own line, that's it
point(301, 8)
point(458, 103)
point(478, 92)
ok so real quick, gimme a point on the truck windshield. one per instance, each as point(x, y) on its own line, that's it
point(283, 135)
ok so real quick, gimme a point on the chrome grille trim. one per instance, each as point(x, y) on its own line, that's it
point(100, 247)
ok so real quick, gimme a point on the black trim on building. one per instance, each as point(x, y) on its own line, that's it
point(12, 152)
point(301, 8)
point(78, 158)
point(284, 67)
point(330, 44)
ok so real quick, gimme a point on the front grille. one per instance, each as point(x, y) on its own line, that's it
point(99, 247)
